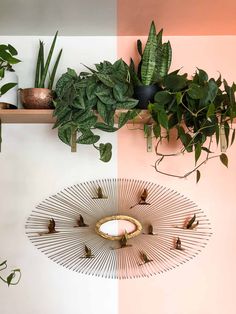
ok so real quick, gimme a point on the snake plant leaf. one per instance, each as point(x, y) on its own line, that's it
point(134, 76)
point(224, 159)
point(6, 87)
point(139, 47)
point(46, 67)
point(166, 59)
point(54, 70)
point(88, 137)
point(105, 152)
point(39, 65)
point(105, 79)
point(124, 117)
point(149, 57)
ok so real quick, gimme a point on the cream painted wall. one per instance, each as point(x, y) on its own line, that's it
point(34, 164)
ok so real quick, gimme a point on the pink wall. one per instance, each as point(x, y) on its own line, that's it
point(206, 284)
point(185, 17)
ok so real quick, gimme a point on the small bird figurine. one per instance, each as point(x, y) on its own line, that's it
point(80, 222)
point(178, 245)
point(150, 230)
point(143, 199)
point(51, 226)
point(88, 252)
point(100, 194)
point(123, 241)
point(145, 258)
point(191, 225)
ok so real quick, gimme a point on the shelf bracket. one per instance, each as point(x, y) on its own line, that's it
point(149, 137)
point(73, 142)
point(223, 142)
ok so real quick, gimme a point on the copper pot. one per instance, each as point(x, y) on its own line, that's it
point(36, 98)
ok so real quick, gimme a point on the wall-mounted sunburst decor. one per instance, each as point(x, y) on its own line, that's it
point(168, 229)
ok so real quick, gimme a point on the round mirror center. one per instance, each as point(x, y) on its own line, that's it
point(117, 227)
point(114, 227)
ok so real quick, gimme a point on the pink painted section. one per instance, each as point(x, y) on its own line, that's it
point(185, 17)
point(205, 284)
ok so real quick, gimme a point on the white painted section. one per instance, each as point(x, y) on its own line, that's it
point(35, 164)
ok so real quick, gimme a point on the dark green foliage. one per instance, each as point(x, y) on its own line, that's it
point(82, 98)
point(42, 68)
point(13, 278)
point(155, 60)
point(7, 59)
point(197, 108)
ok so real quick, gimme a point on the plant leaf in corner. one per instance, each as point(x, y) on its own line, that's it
point(198, 176)
point(224, 159)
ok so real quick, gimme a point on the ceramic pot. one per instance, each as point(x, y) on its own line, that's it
point(36, 98)
point(145, 94)
point(9, 99)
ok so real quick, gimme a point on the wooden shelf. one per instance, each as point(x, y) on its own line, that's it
point(45, 116)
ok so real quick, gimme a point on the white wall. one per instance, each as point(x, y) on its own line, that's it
point(35, 164)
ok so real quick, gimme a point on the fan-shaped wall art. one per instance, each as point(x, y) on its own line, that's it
point(167, 229)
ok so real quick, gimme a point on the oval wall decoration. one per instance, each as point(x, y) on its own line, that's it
point(169, 229)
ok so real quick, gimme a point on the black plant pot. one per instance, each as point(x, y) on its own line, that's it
point(145, 95)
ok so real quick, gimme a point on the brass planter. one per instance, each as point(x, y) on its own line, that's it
point(36, 98)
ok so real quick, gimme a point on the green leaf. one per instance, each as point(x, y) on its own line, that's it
point(198, 173)
point(9, 278)
point(54, 70)
point(211, 110)
point(195, 91)
point(157, 130)
point(175, 82)
point(5, 88)
point(105, 127)
point(163, 119)
point(119, 91)
point(149, 57)
point(3, 263)
point(139, 47)
point(198, 151)
point(64, 134)
point(102, 110)
point(202, 76)
point(106, 98)
point(88, 138)
point(224, 159)
point(105, 152)
point(105, 79)
point(12, 50)
point(233, 137)
point(126, 116)
point(128, 103)
point(163, 97)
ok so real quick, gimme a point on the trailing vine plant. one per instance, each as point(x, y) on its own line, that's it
point(89, 100)
point(198, 109)
point(13, 278)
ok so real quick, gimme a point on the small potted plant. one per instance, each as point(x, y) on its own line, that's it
point(154, 64)
point(41, 96)
point(89, 101)
point(8, 78)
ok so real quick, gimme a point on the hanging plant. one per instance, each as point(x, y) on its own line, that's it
point(88, 101)
point(13, 278)
point(199, 109)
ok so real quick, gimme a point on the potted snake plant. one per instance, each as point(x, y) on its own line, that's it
point(8, 78)
point(41, 96)
point(154, 64)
